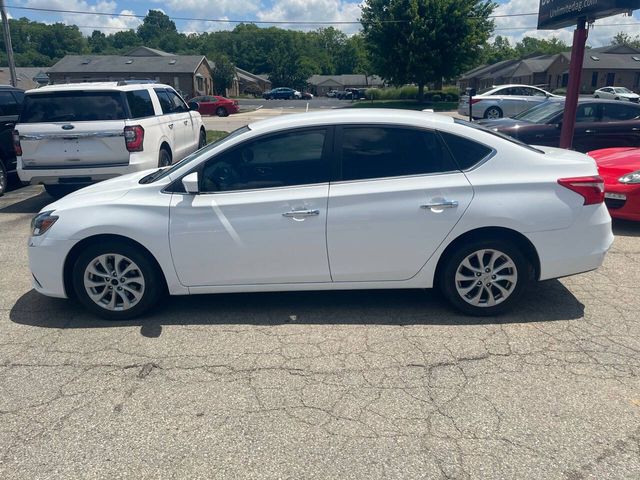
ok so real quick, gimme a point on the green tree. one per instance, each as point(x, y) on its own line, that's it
point(422, 41)
point(622, 38)
point(224, 71)
point(155, 27)
point(534, 46)
point(98, 42)
point(500, 49)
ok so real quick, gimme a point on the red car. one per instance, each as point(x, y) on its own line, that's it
point(216, 105)
point(620, 168)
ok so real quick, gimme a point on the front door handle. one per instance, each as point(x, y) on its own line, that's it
point(301, 213)
point(439, 205)
point(635, 129)
point(171, 125)
point(588, 130)
point(186, 122)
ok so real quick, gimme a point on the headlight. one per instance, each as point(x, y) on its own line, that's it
point(42, 222)
point(633, 177)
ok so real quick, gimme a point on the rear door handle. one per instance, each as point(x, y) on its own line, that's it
point(171, 125)
point(301, 213)
point(186, 122)
point(588, 130)
point(634, 129)
point(439, 205)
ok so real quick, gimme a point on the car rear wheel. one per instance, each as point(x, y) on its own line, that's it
point(492, 113)
point(4, 179)
point(596, 96)
point(617, 98)
point(116, 280)
point(485, 278)
point(221, 112)
point(164, 158)
point(202, 141)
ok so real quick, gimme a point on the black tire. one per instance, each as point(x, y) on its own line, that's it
point(4, 179)
point(59, 191)
point(497, 110)
point(164, 158)
point(221, 112)
point(154, 286)
point(596, 96)
point(617, 98)
point(202, 140)
point(448, 284)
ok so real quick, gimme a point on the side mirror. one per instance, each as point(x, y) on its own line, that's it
point(193, 106)
point(190, 182)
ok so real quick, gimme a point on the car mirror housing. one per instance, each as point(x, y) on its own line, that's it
point(190, 182)
point(194, 106)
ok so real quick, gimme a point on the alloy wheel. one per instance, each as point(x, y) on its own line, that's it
point(493, 113)
point(114, 282)
point(486, 278)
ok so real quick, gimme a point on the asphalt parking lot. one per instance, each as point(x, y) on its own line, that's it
point(321, 385)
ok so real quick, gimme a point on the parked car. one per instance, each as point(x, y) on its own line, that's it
point(599, 124)
point(617, 93)
point(11, 99)
point(332, 93)
point(307, 96)
point(72, 135)
point(280, 93)
point(215, 105)
point(620, 169)
point(503, 101)
point(254, 212)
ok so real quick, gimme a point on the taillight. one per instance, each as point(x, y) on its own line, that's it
point(475, 100)
point(591, 188)
point(16, 143)
point(134, 138)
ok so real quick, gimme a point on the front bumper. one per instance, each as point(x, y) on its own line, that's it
point(627, 208)
point(46, 262)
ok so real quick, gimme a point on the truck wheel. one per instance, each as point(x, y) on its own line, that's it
point(4, 180)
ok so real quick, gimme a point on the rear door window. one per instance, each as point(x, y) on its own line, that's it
point(381, 152)
point(165, 102)
point(619, 112)
point(140, 104)
point(73, 106)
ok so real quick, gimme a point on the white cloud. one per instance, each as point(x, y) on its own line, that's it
point(218, 9)
point(514, 27)
point(88, 23)
point(314, 10)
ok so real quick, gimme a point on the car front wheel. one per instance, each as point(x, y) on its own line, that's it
point(485, 278)
point(492, 113)
point(116, 280)
point(221, 112)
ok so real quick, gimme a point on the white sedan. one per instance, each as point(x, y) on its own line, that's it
point(617, 93)
point(503, 101)
point(344, 199)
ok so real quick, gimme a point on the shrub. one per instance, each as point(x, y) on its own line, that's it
point(436, 98)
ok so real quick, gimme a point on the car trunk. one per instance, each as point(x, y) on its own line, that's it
point(73, 129)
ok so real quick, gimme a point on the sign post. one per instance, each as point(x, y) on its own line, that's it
point(554, 14)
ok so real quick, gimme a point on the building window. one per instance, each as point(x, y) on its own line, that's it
point(200, 84)
point(565, 79)
point(611, 78)
point(594, 79)
point(636, 81)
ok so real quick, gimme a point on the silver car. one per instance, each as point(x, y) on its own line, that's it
point(503, 101)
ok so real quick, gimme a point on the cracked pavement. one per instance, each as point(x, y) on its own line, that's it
point(319, 385)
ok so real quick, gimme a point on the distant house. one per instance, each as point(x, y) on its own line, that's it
point(189, 74)
point(28, 77)
point(246, 82)
point(321, 84)
point(617, 65)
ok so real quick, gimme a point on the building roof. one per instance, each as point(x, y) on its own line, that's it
point(250, 77)
point(25, 76)
point(599, 59)
point(354, 79)
point(143, 51)
point(127, 64)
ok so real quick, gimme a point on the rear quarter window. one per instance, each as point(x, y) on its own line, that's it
point(73, 106)
point(140, 104)
point(466, 153)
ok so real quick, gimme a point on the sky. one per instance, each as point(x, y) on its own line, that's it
point(286, 10)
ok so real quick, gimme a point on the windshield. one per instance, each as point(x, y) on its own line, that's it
point(164, 172)
point(496, 134)
point(541, 113)
point(622, 90)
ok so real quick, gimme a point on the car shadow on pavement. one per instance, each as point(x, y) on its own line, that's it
point(626, 228)
point(29, 205)
point(546, 301)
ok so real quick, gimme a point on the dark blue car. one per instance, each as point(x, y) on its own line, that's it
point(284, 93)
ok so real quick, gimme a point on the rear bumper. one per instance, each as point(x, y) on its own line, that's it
point(80, 175)
point(579, 248)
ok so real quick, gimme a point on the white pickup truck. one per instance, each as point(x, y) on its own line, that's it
point(73, 135)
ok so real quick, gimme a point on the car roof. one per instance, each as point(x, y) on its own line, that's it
point(352, 115)
point(115, 86)
point(10, 87)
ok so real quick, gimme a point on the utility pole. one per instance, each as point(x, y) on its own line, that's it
point(7, 44)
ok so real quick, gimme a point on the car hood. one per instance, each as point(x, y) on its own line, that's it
point(615, 162)
point(100, 193)
point(628, 95)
